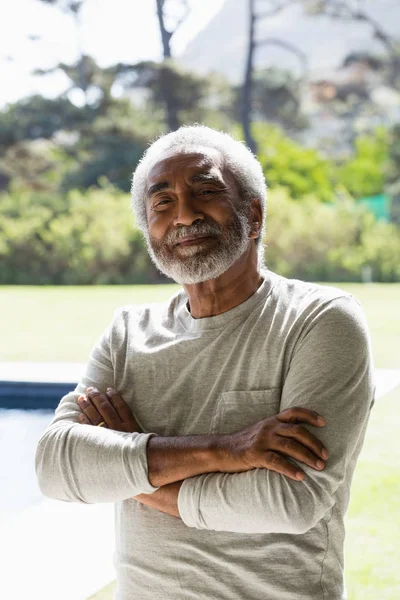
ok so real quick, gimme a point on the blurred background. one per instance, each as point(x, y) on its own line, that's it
point(312, 87)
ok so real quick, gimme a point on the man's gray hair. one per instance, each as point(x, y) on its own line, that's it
point(191, 138)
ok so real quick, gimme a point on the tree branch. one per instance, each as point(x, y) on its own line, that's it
point(270, 13)
point(287, 46)
point(183, 17)
point(277, 9)
point(342, 10)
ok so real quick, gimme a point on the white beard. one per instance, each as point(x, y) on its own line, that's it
point(201, 262)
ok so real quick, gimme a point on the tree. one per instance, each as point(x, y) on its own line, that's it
point(111, 148)
point(186, 91)
point(166, 84)
point(363, 174)
point(302, 171)
point(96, 79)
point(73, 8)
point(348, 10)
point(393, 173)
point(276, 98)
point(37, 117)
point(166, 35)
point(317, 241)
point(252, 44)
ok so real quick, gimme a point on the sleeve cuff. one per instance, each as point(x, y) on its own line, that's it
point(141, 468)
point(189, 502)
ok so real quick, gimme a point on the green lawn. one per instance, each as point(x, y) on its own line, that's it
point(373, 525)
point(61, 324)
point(45, 324)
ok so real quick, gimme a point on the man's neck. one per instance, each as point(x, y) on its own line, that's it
point(216, 296)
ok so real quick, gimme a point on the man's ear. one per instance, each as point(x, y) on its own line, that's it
point(255, 218)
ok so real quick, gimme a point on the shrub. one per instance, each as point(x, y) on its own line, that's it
point(91, 238)
point(88, 238)
point(329, 242)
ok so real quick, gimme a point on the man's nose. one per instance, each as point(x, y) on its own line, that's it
point(187, 212)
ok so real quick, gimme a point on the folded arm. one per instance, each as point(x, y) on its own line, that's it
point(80, 463)
point(92, 464)
point(331, 373)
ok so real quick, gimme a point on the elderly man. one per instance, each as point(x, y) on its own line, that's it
point(229, 419)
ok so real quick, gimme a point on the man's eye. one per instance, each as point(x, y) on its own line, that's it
point(207, 192)
point(162, 202)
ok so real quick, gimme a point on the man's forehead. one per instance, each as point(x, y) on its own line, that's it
point(204, 160)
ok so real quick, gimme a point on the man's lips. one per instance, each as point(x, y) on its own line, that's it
point(191, 240)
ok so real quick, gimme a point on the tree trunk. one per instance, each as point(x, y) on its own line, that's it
point(165, 35)
point(171, 112)
point(247, 90)
point(81, 64)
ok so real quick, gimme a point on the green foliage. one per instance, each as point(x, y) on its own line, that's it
point(287, 164)
point(363, 175)
point(393, 168)
point(393, 173)
point(190, 97)
point(82, 238)
point(35, 165)
point(318, 241)
point(111, 148)
point(275, 99)
point(90, 238)
point(81, 150)
point(37, 117)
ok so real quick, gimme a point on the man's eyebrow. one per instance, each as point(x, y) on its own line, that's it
point(157, 187)
point(206, 178)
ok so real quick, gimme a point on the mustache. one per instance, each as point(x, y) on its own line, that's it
point(184, 231)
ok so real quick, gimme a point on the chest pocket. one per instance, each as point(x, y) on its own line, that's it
point(236, 410)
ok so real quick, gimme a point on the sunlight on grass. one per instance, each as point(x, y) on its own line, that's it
point(63, 323)
point(106, 593)
point(372, 523)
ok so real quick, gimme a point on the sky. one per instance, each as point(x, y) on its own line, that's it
point(111, 31)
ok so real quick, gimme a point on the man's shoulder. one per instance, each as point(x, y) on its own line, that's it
point(300, 294)
point(333, 313)
point(306, 303)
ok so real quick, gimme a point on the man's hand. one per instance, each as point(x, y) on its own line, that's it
point(109, 408)
point(265, 444)
point(165, 499)
point(113, 410)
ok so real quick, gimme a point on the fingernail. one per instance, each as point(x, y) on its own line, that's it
point(112, 391)
point(325, 453)
point(299, 475)
point(320, 464)
point(321, 420)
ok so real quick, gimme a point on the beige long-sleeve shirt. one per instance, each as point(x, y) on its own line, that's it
point(249, 535)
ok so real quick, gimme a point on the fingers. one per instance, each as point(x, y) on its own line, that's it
point(307, 439)
point(110, 408)
point(276, 462)
point(293, 449)
point(104, 407)
point(119, 405)
point(89, 410)
point(83, 419)
point(301, 415)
